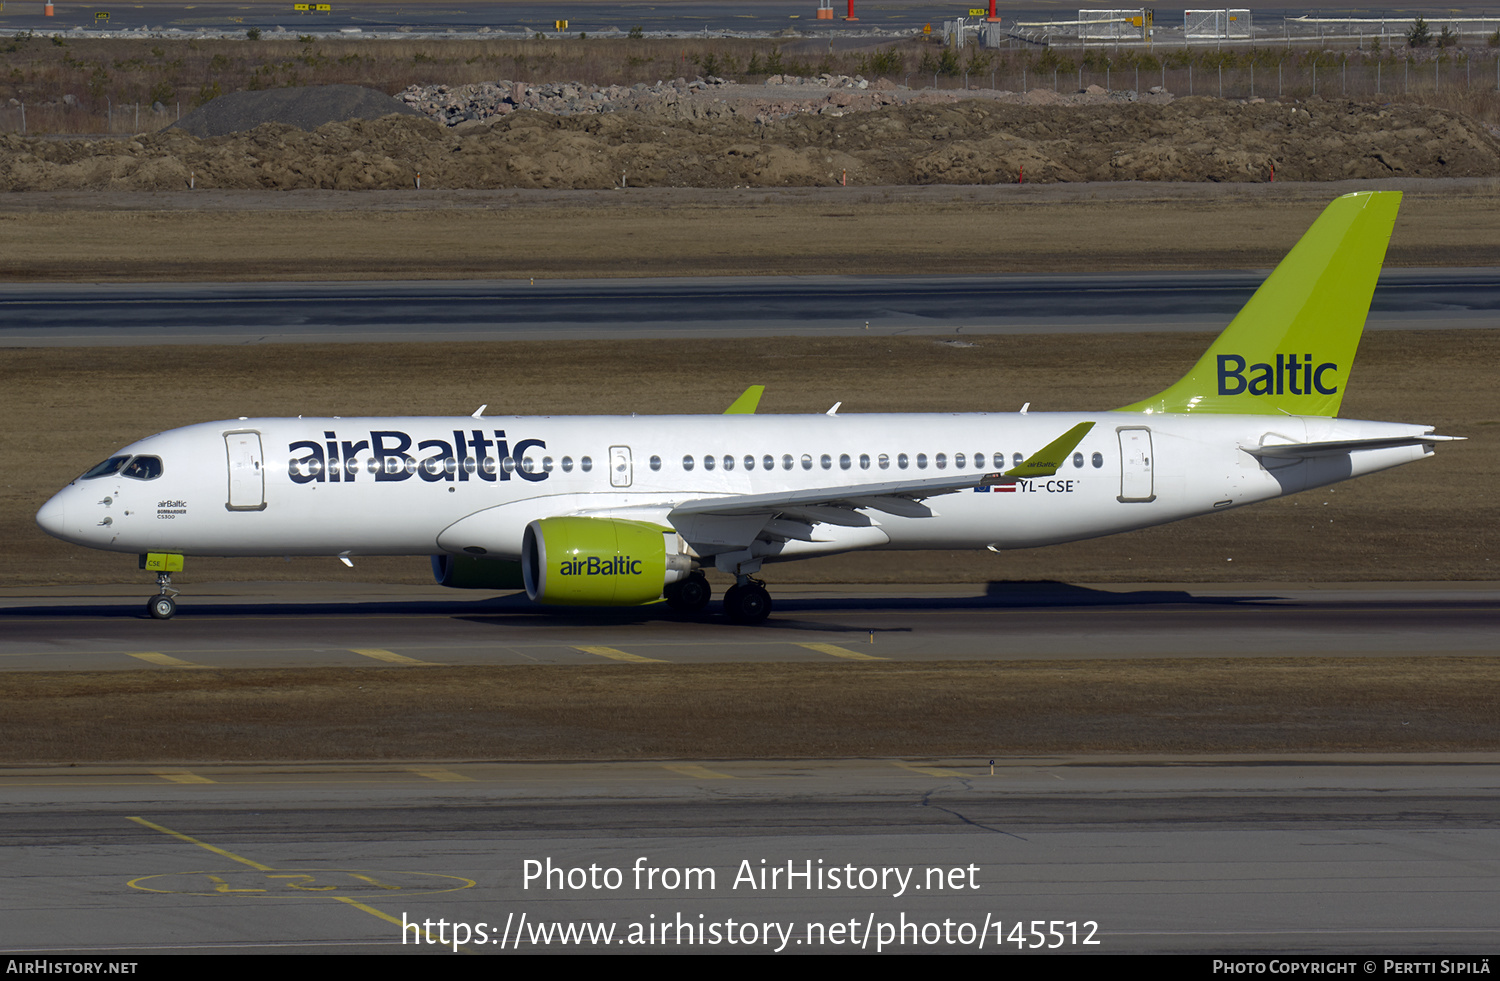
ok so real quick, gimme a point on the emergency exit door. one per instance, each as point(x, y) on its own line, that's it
point(1136, 481)
point(619, 466)
point(247, 473)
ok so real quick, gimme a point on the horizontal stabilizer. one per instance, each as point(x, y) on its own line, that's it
point(1337, 446)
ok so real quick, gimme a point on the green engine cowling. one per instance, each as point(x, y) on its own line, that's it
point(473, 572)
point(599, 561)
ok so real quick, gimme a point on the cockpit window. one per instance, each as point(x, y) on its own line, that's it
point(143, 468)
point(112, 465)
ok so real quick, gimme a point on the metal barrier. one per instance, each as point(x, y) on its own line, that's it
point(1217, 24)
point(1108, 25)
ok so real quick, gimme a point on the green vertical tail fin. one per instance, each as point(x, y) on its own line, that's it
point(1290, 349)
point(746, 403)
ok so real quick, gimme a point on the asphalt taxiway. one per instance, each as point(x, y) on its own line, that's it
point(1341, 855)
point(1353, 855)
point(67, 315)
point(278, 625)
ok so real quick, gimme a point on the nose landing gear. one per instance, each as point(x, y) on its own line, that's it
point(162, 606)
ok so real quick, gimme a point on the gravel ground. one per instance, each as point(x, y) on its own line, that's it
point(694, 140)
point(304, 108)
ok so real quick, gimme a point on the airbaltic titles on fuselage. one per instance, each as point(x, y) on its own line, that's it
point(466, 456)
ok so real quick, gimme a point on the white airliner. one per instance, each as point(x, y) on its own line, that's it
point(590, 510)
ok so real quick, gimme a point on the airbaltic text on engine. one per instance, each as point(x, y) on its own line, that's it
point(336, 460)
point(620, 565)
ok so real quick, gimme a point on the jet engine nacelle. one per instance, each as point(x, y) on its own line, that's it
point(472, 572)
point(600, 561)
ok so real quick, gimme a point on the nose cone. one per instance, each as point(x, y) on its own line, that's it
point(53, 518)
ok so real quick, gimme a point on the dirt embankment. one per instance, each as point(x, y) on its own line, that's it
point(978, 142)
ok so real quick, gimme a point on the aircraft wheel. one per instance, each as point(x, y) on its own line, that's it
point(749, 603)
point(161, 607)
point(689, 595)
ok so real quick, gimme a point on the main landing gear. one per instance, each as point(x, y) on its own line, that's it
point(689, 595)
point(745, 602)
point(162, 606)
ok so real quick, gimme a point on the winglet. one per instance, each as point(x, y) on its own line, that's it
point(1045, 461)
point(1291, 347)
point(746, 403)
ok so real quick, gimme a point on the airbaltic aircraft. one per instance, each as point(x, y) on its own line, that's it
point(614, 511)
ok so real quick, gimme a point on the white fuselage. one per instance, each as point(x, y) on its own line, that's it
point(423, 485)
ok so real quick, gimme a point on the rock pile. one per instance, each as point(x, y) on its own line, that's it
point(455, 104)
point(779, 97)
point(825, 80)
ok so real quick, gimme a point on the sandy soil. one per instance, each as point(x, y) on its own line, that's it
point(711, 144)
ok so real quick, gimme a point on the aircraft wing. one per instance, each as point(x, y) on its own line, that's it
point(713, 524)
point(901, 497)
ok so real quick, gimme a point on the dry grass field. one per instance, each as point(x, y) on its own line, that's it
point(960, 710)
point(318, 235)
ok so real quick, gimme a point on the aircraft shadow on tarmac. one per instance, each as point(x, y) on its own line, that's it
point(515, 607)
